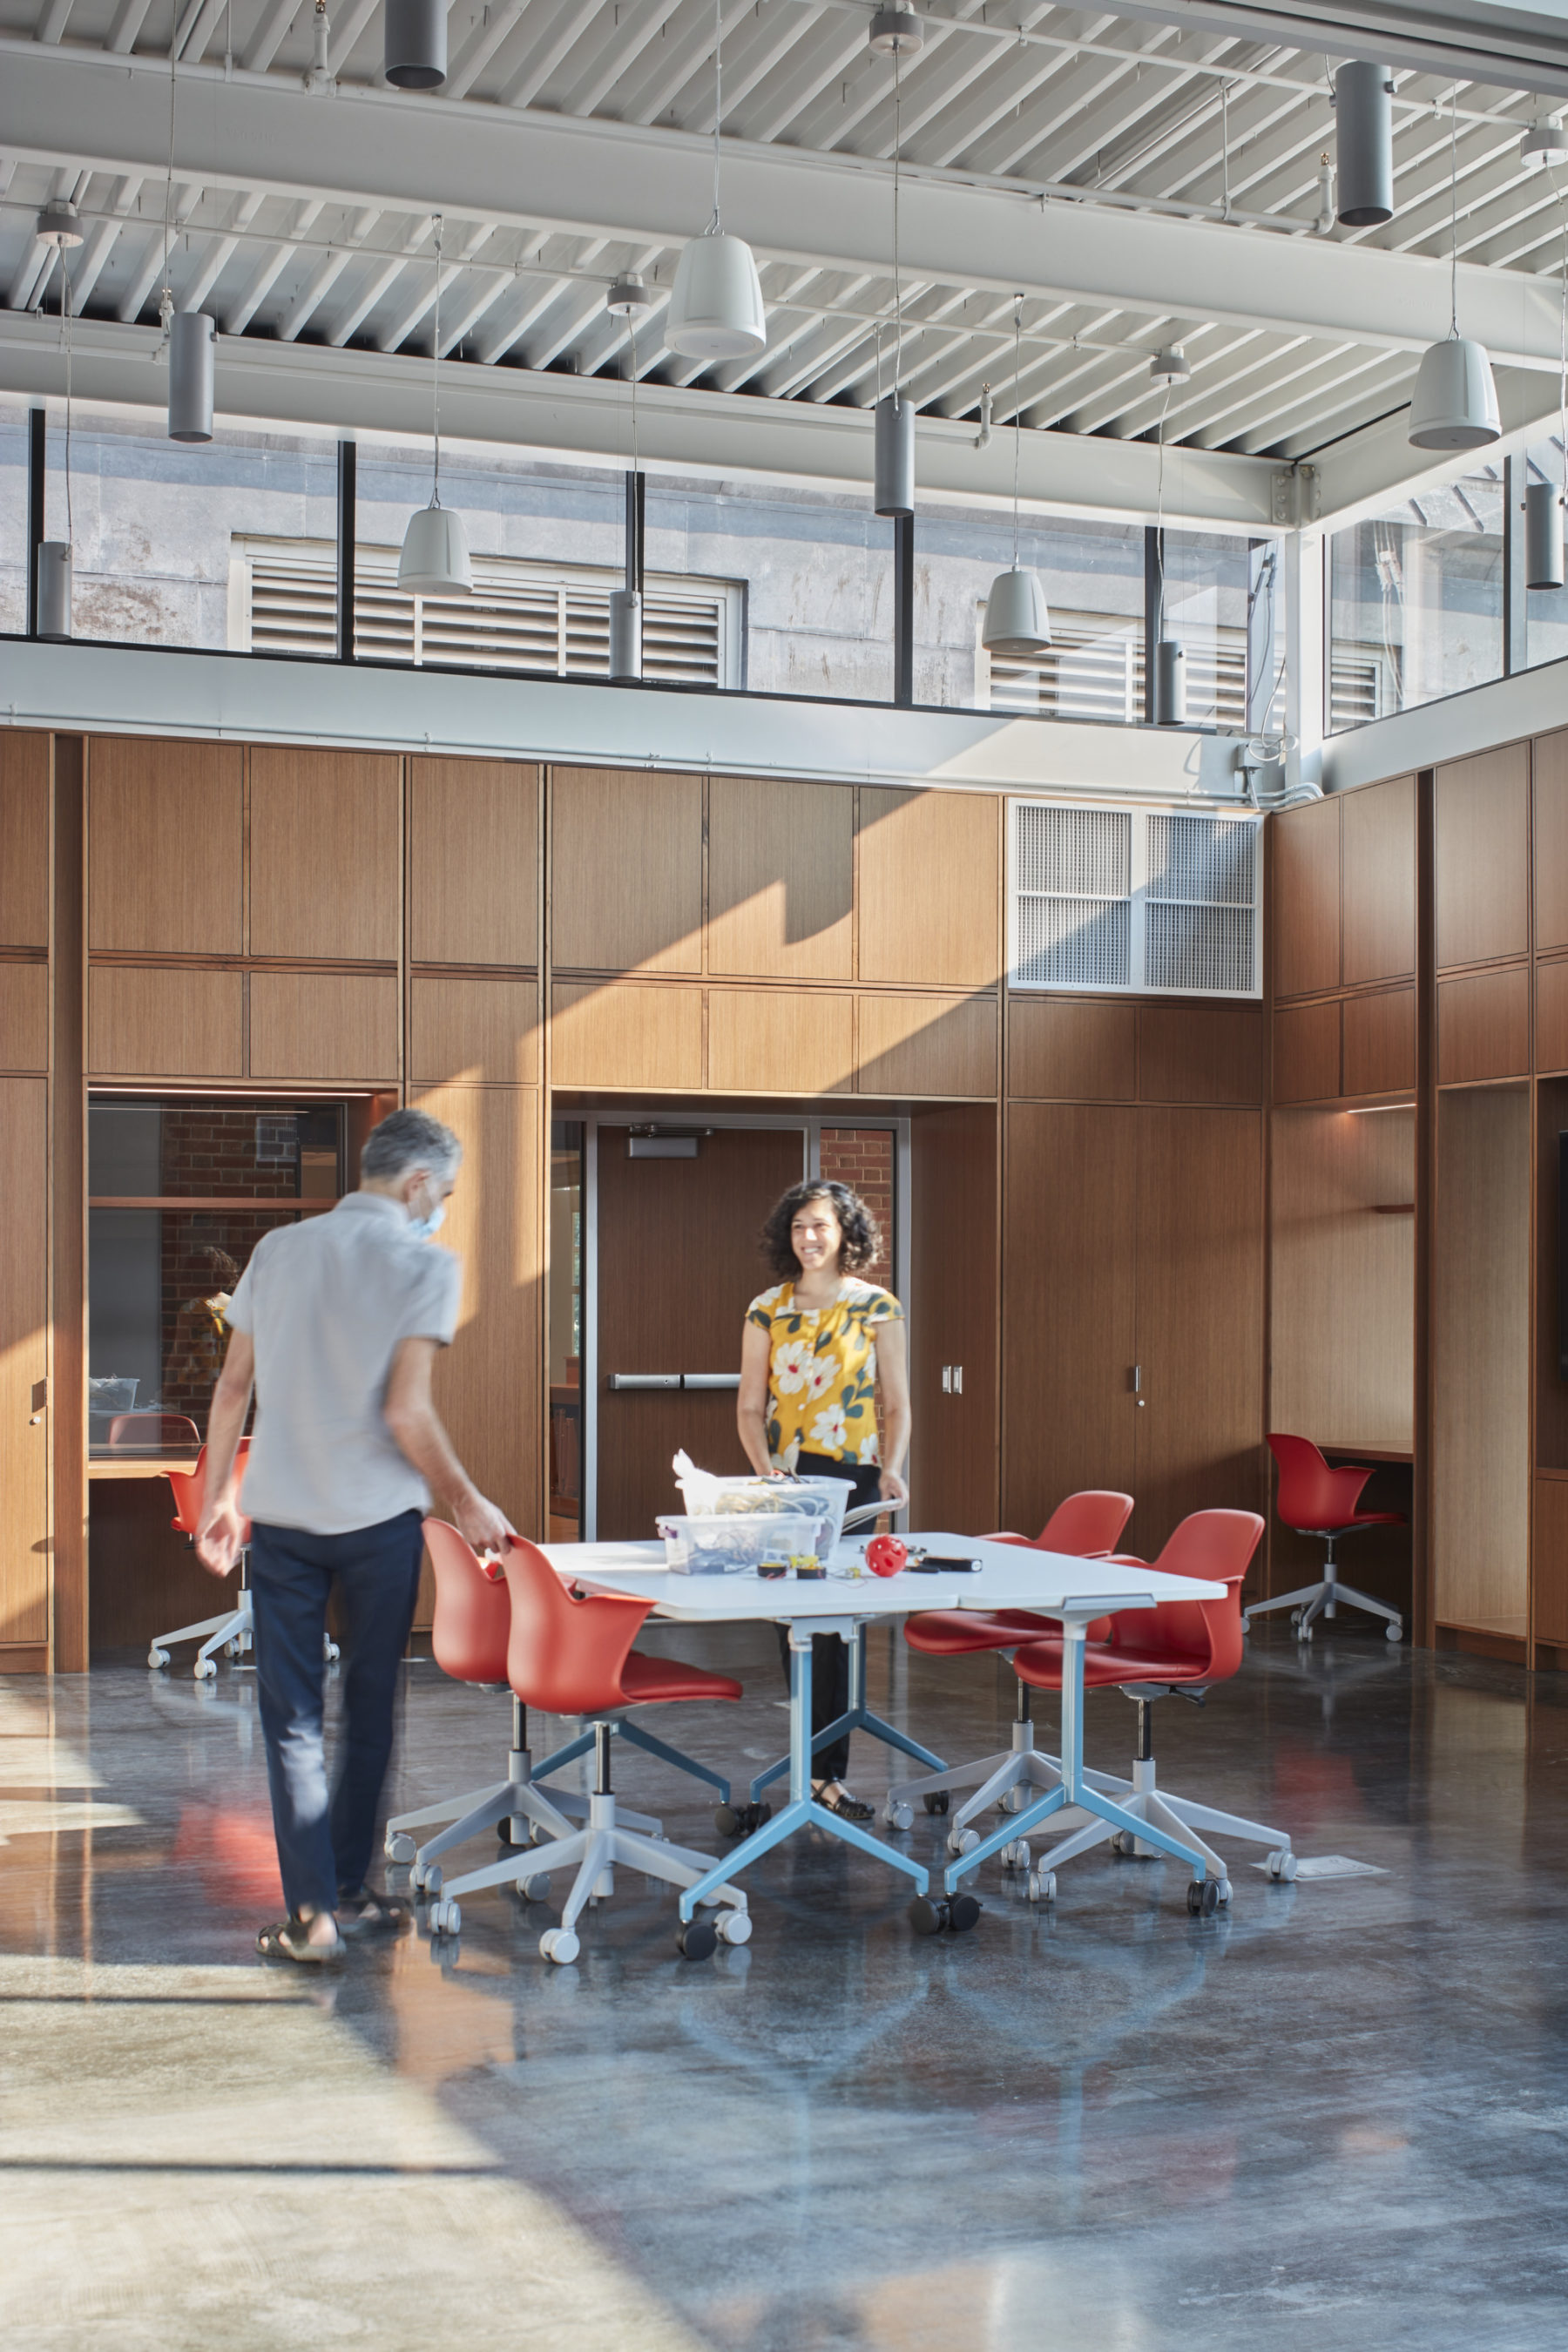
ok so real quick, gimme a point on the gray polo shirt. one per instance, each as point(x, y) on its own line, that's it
point(327, 1304)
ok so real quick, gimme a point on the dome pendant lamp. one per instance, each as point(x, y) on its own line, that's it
point(1454, 404)
point(1017, 622)
point(415, 55)
point(716, 312)
point(435, 559)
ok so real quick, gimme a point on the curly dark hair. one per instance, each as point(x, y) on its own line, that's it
point(862, 1234)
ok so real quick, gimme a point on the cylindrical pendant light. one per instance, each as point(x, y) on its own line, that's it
point(416, 44)
point(1363, 144)
point(894, 465)
point(1543, 535)
point(1454, 405)
point(191, 336)
point(716, 312)
point(55, 588)
point(1170, 683)
point(625, 633)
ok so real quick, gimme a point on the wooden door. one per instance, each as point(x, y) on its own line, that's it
point(24, 1365)
point(1200, 1318)
point(677, 1267)
point(952, 1318)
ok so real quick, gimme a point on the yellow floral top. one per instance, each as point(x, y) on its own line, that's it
point(822, 1379)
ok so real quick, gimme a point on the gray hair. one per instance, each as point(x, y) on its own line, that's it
point(405, 1139)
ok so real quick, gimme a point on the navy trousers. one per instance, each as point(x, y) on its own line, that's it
point(324, 1838)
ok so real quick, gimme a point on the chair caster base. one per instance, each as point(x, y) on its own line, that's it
point(1016, 1856)
point(1041, 1886)
point(962, 1841)
point(535, 1888)
point(156, 1658)
point(898, 1817)
point(943, 1915)
point(398, 1846)
point(1393, 1633)
point(205, 1671)
point(444, 1919)
point(740, 1821)
point(936, 1800)
point(1283, 1867)
point(698, 1939)
point(560, 1945)
point(1203, 1897)
point(428, 1878)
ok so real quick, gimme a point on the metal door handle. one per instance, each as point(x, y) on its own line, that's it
point(711, 1379)
point(644, 1380)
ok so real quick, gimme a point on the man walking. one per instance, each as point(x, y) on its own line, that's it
point(335, 1322)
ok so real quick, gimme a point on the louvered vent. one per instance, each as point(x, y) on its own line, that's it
point(1074, 898)
point(1093, 668)
point(545, 618)
point(1158, 900)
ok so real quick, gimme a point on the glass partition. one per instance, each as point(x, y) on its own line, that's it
point(565, 1329)
point(1545, 609)
point(1416, 601)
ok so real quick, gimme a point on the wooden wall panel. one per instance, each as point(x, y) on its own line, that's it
point(1480, 1421)
point(326, 854)
point(323, 1024)
point(1549, 769)
point(1483, 1026)
point(1068, 1306)
point(25, 1546)
point(1305, 1053)
point(776, 1041)
point(1380, 1042)
point(1200, 1317)
point(473, 859)
point(165, 846)
point(1483, 858)
point(1550, 1572)
point(488, 1382)
point(781, 878)
point(1342, 1313)
point(1200, 1053)
point(929, 886)
point(920, 1045)
point(67, 1235)
point(1551, 1016)
point(168, 1025)
point(953, 1317)
point(625, 870)
point(24, 1016)
point(1377, 836)
point(1306, 898)
point(1058, 1050)
point(476, 1031)
point(603, 1037)
point(23, 838)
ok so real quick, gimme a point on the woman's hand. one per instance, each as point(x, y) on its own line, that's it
point(893, 1489)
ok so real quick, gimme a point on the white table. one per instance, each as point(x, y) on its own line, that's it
point(1011, 1576)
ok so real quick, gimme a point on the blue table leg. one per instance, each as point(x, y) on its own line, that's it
point(801, 1809)
point(1074, 1790)
point(859, 1717)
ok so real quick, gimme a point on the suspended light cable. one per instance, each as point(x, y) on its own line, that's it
point(894, 444)
point(435, 558)
point(1454, 402)
point(1017, 620)
point(716, 310)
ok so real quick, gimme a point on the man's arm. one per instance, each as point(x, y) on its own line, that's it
point(414, 1422)
point(218, 1539)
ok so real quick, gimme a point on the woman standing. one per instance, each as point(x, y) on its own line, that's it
point(816, 1349)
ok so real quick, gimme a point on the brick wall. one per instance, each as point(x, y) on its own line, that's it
point(862, 1157)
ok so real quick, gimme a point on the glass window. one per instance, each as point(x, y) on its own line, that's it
point(565, 1329)
point(1416, 601)
point(1545, 609)
point(12, 516)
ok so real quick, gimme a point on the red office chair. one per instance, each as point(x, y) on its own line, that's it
point(232, 1631)
point(1086, 1525)
point(1318, 1501)
point(161, 1433)
point(469, 1635)
point(1178, 1647)
point(576, 1657)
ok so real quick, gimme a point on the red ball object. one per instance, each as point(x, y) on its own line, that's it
point(885, 1555)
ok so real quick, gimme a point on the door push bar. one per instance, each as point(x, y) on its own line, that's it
point(675, 1380)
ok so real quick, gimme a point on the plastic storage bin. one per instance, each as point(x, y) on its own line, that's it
point(731, 1543)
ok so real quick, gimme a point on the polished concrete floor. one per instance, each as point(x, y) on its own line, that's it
point(1336, 2118)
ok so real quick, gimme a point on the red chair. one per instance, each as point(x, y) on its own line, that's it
point(576, 1657)
point(1086, 1525)
point(158, 1432)
point(234, 1631)
point(469, 1635)
point(1178, 1648)
point(1318, 1501)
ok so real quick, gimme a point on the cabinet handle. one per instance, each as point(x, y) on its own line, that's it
point(1137, 1379)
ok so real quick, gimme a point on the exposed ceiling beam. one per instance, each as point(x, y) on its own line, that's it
point(1375, 468)
point(618, 181)
point(1523, 47)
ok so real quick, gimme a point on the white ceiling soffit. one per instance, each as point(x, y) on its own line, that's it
point(1077, 160)
point(1521, 47)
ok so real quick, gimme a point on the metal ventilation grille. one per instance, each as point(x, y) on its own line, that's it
point(1125, 898)
point(1093, 668)
point(1073, 897)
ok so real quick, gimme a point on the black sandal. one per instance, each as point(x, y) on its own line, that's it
point(364, 1913)
point(847, 1808)
point(290, 1940)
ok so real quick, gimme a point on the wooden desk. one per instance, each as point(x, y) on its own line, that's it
point(138, 1465)
point(1380, 1449)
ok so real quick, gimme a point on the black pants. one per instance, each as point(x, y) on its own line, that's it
point(829, 1655)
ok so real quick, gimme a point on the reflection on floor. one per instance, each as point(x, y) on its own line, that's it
point(1335, 2117)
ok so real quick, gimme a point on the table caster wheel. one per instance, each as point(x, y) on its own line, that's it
point(698, 1939)
point(205, 1671)
point(740, 1820)
point(156, 1657)
point(1202, 1898)
point(444, 1919)
point(936, 1800)
point(962, 1841)
point(1123, 1843)
point(399, 1846)
point(1393, 1633)
point(535, 1888)
point(330, 1652)
point(733, 1927)
point(428, 1878)
point(1042, 1886)
point(560, 1945)
point(943, 1915)
point(1282, 1866)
